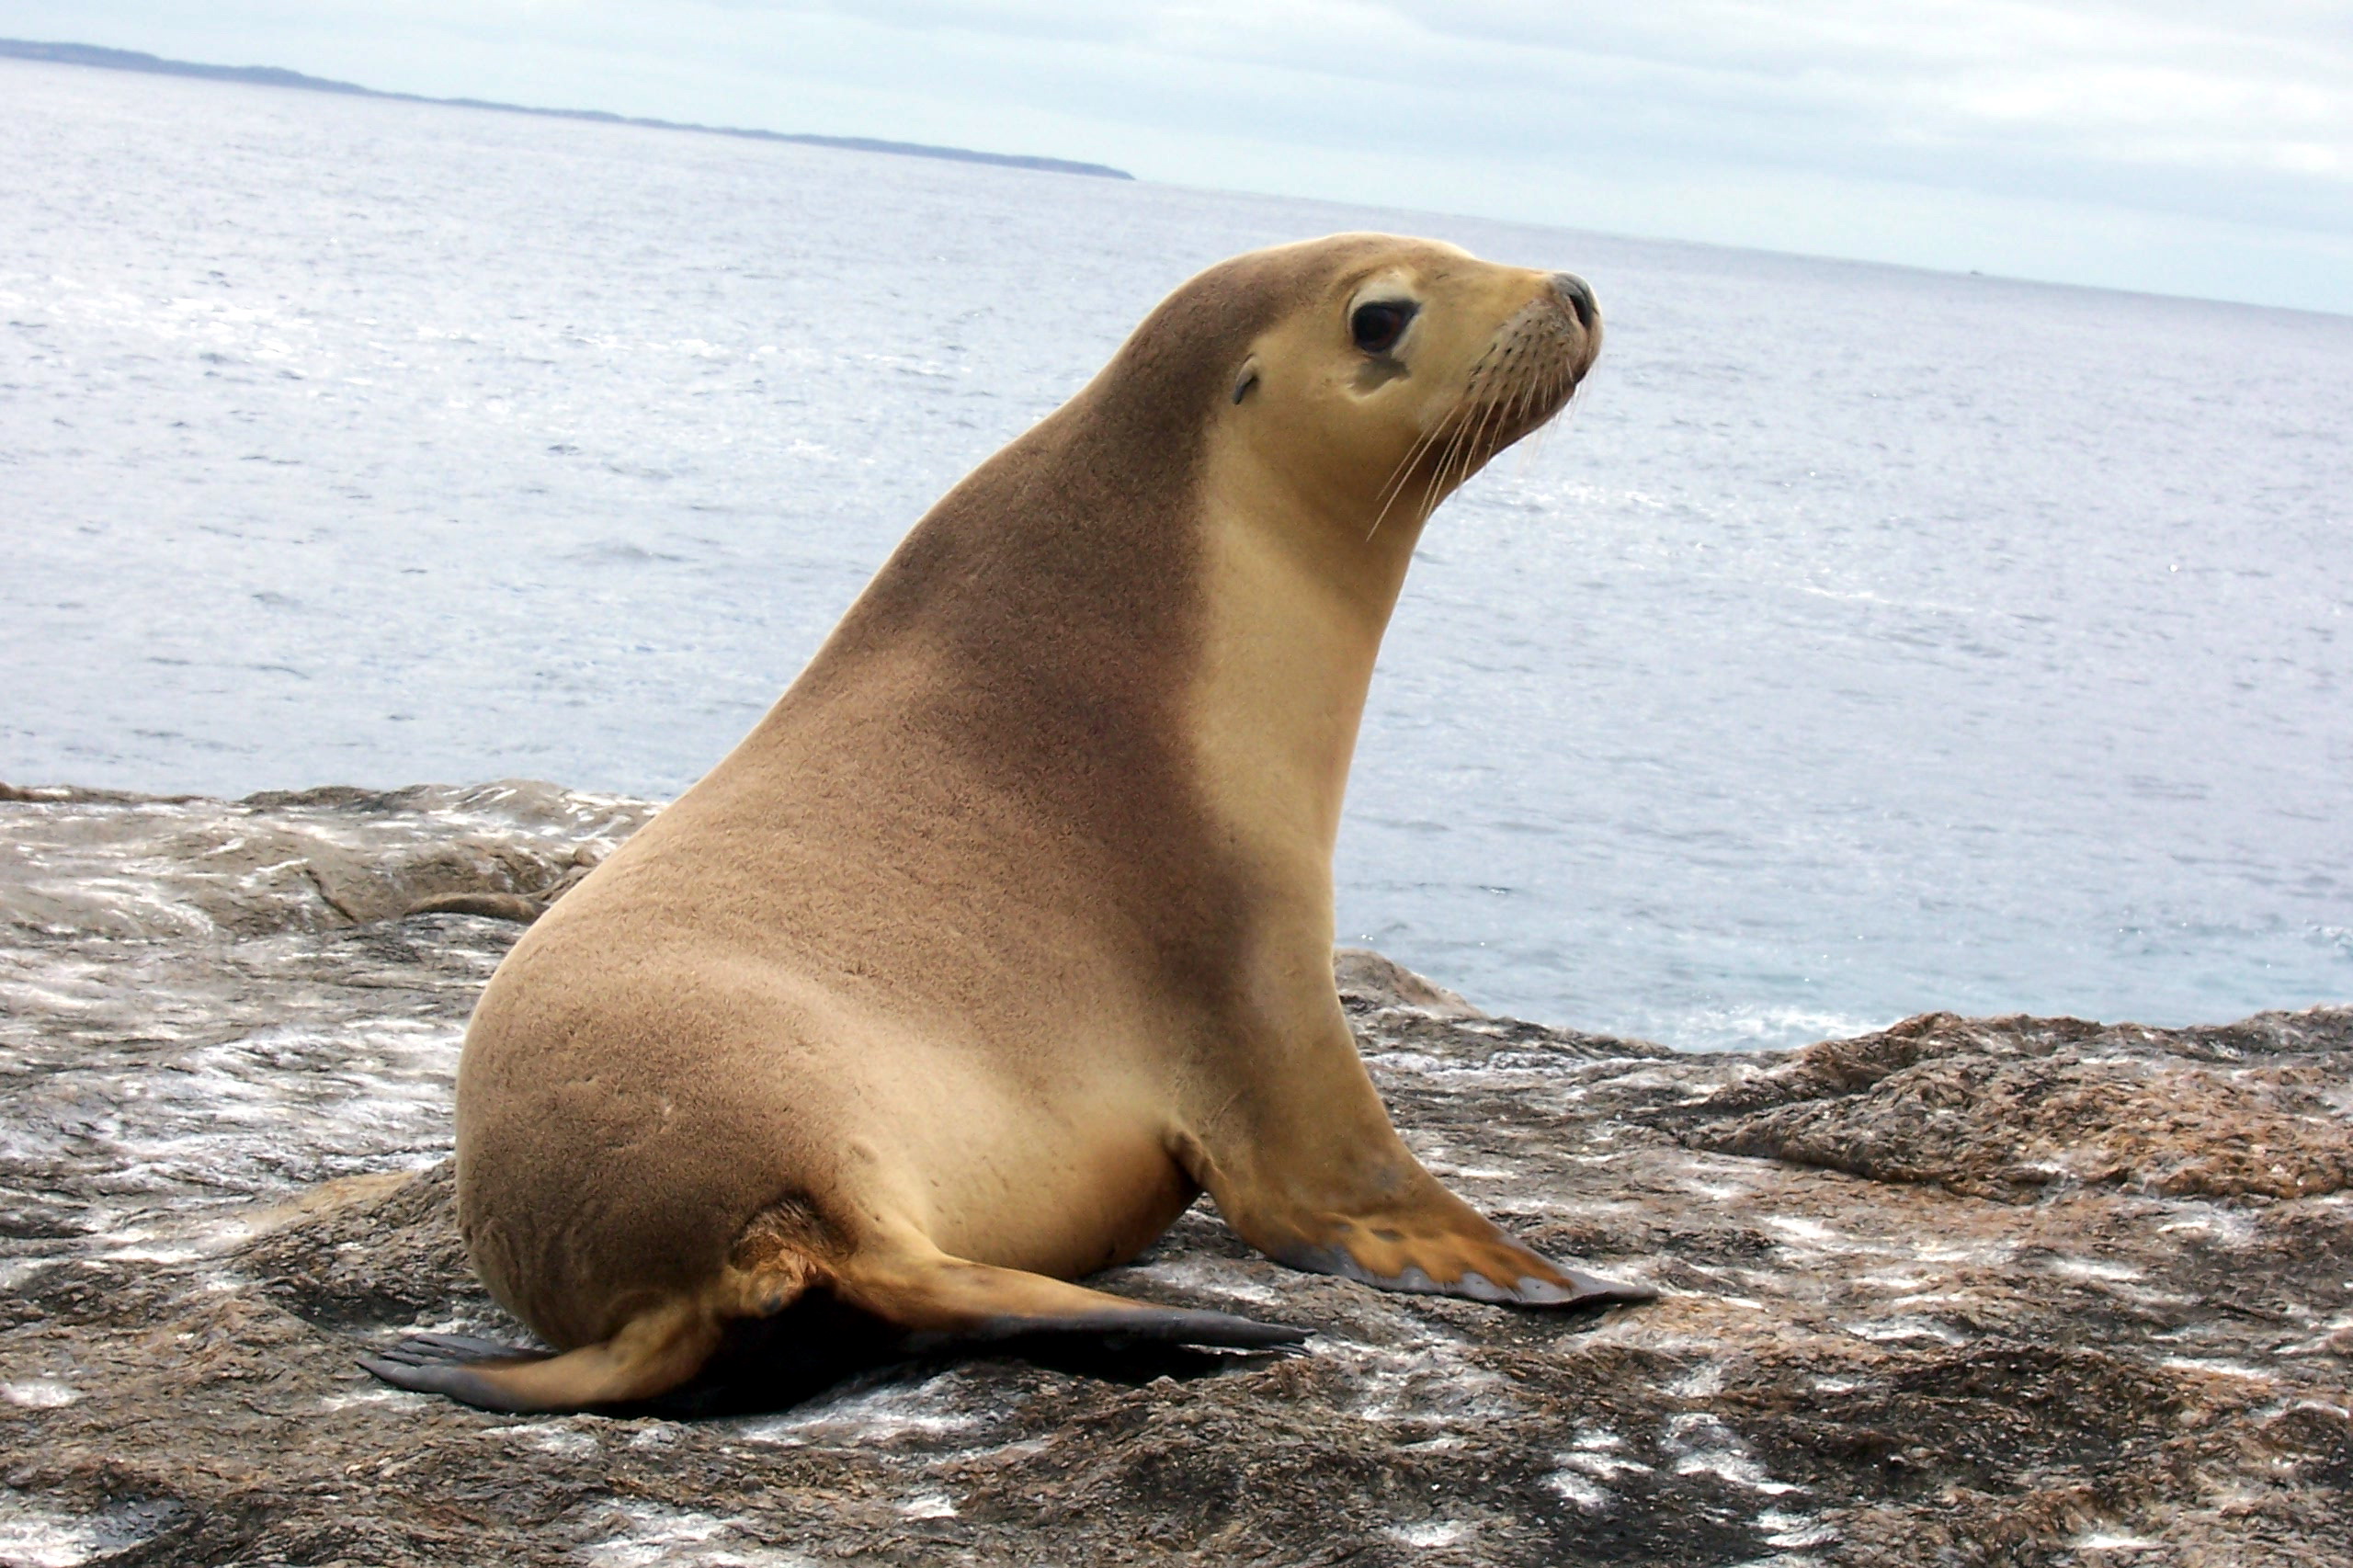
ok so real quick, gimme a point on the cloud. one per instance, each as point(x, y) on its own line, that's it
point(1799, 124)
point(2150, 105)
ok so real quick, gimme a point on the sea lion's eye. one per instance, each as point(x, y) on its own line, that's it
point(1377, 326)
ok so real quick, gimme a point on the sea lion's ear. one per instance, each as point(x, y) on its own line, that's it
point(1247, 380)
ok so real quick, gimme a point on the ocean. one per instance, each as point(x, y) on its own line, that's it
point(1864, 642)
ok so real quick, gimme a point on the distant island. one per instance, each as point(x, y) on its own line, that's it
point(273, 76)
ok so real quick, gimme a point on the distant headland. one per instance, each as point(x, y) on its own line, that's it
point(273, 76)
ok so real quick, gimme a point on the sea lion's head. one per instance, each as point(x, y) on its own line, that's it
point(1361, 377)
point(1394, 368)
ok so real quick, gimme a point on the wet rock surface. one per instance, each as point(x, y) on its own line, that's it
point(1968, 1290)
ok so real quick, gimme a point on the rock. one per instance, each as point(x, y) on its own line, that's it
point(1369, 980)
point(2008, 1290)
point(99, 863)
point(2006, 1107)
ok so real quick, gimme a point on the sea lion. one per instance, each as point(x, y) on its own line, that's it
point(1009, 928)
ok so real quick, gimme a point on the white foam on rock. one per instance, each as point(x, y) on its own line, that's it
point(2091, 1268)
point(1218, 1276)
point(656, 1536)
point(2225, 1227)
point(1700, 1382)
point(1883, 1331)
point(336, 1402)
point(1431, 1534)
point(1805, 1230)
point(882, 1415)
point(2113, 1541)
point(1702, 1444)
point(1576, 1489)
point(1431, 1383)
point(2216, 1368)
point(38, 1534)
point(1791, 1530)
point(562, 1438)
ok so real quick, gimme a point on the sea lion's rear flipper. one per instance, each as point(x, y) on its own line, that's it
point(652, 1354)
point(940, 1299)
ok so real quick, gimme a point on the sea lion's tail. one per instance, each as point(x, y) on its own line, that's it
point(929, 1299)
point(654, 1354)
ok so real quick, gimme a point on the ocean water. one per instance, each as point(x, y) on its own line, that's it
point(1864, 642)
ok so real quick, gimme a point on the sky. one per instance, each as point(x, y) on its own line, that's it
point(2202, 149)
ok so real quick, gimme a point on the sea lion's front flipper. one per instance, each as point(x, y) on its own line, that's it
point(652, 1354)
point(1308, 1168)
point(1442, 1246)
point(940, 1299)
point(1388, 1222)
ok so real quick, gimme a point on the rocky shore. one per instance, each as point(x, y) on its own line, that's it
point(2015, 1291)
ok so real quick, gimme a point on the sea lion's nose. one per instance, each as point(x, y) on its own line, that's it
point(1579, 294)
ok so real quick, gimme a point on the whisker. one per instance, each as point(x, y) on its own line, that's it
point(1524, 406)
point(1394, 489)
point(1440, 429)
point(1437, 429)
point(1404, 473)
point(1459, 446)
point(1475, 450)
point(1460, 456)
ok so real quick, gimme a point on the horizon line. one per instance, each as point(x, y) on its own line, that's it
point(103, 58)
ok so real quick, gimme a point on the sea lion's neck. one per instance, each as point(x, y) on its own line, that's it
point(1295, 598)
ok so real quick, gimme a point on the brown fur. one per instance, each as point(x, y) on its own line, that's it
point(1008, 926)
